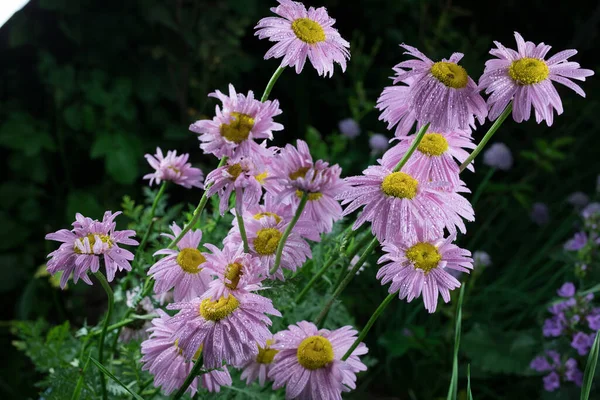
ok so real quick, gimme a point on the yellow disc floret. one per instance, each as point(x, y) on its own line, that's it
point(433, 144)
point(233, 273)
point(234, 170)
point(311, 196)
point(266, 354)
point(308, 31)
point(238, 129)
point(300, 173)
point(190, 260)
point(267, 214)
point(400, 185)
point(217, 310)
point(528, 71)
point(266, 241)
point(92, 239)
point(424, 256)
point(450, 74)
point(315, 352)
point(260, 178)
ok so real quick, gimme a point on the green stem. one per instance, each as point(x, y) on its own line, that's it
point(487, 136)
point(412, 148)
point(197, 211)
point(326, 266)
point(482, 186)
point(151, 225)
point(287, 232)
point(123, 323)
point(109, 293)
point(321, 318)
point(369, 324)
point(188, 381)
point(240, 219)
point(271, 83)
point(351, 255)
point(79, 385)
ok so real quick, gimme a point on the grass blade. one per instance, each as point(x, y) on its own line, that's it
point(469, 394)
point(114, 378)
point(453, 389)
point(590, 369)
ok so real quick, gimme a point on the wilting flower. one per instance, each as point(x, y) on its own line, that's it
point(234, 128)
point(435, 158)
point(138, 329)
point(378, 143)
point(259, 366)
point(237, 273)
point(309, 362)
point(244, 174)
point(302, 34)
point(163, 358)
point(439, 93)
point(264, 235)
point(525, 77)
point(228, 329)
point(421, 264)
point(83, 246)
point(498, 156)
point(182, 269)
point(540, 214)
point(173, 168)
point(349, 128)
point(397, 204)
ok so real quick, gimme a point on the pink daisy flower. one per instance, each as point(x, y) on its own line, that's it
point(183, 269)
point(243, 174)
point(163, 358)
point(228, 328)
point(396, 203)
point(309, 362)
point(173, 168)
point(436, 157)
point(237, 273)
point(440, 93)
point(264, 235)
point(526, 77)
point(259, 366)
point(302, 34)
point(423, 263)
point(233, 130)
point(83, 246)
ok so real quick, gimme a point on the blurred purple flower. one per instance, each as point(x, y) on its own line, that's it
point(577, 242)
point(551, 382)
point(582, 343)
point(540, 214)
point(553, 327)
point(566, 290)
point(481, 259)
point(498, 156)
point(578, 200)
point(572, 372)
point(378, 143)
point(349, 128)
point(593, 321)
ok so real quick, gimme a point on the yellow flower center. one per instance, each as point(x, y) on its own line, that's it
point(528, 71)
point(217, 310)
point(400, 185)
point(433, 144)
point(425, 256)
point(233, 273)
point(308, 31)
point(301, 173)
point(311, 196)
point(267, 214)
point(266, 241)
point(92, 239)
point(190, 259)
point(238, 129)
point(450, 74)
point(260, 178)
point(315, 352)
point(234, 170)
point(266, 354)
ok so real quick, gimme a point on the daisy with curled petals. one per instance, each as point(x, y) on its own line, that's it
point(309, 362)
point(244, 174)
point(183, 269)
point(228, 329)
point(264, 235)
point(259, 366)
point(423, 264)
point(435, 158)
point(396, 203)
point(173, 168)
point(84, 245)
point(440, 93)
point(163, 358)
point(526, 77)
point(235, 127)
point(237, 272)
point(301, 34)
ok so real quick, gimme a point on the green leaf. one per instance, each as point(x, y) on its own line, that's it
point(84, 203)
point(114, 378)
point(590, 369)
point(122, 154)
point(22, 132)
